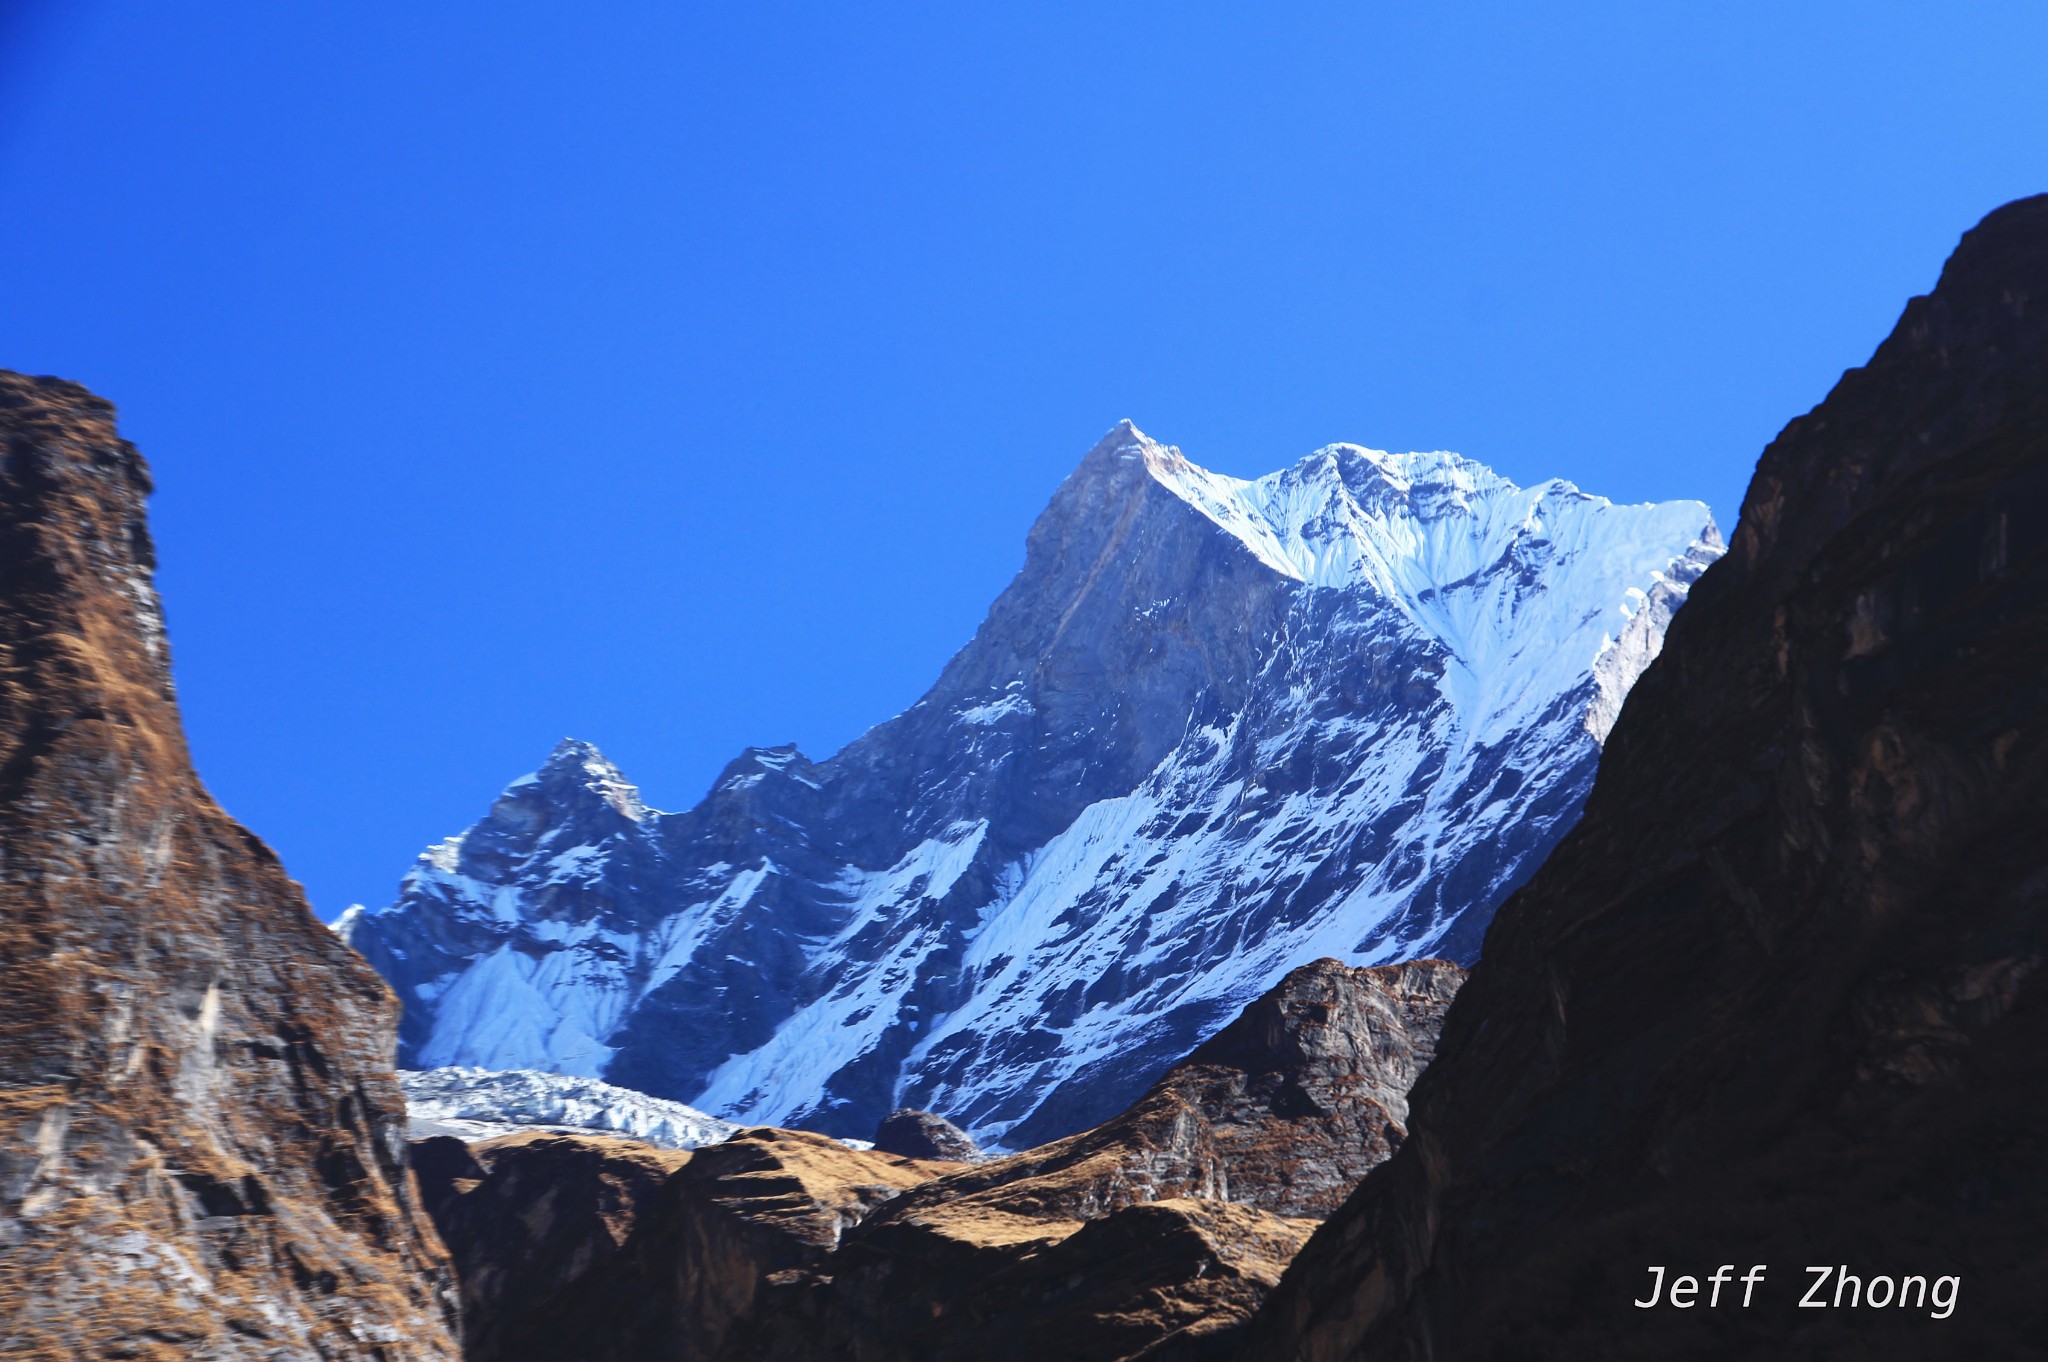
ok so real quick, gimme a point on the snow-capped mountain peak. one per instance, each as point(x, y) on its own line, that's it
point(1215, 728)
point(1496, 573)
point(578, 765)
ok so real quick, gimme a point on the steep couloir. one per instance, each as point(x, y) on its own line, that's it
point(1777, 1001)
point(201, 1137)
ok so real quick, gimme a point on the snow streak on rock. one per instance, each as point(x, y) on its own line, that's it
point(1213, 730)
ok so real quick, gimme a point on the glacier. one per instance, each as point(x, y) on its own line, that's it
point(1214, 729)
point(477, 1104)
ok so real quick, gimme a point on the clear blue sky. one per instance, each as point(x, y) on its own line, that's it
point(686, 376)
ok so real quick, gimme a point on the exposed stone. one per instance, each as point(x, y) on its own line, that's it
point(921, 1135)
point(201, 1137)
point(1778, 998)
point(575, 1246)
point(1259, 1132)
point(533, 1219)
point(1150, 1235)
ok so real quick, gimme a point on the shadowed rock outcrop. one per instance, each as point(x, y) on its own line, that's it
point(1222, 1168)
point(532, 1219)
point(581, 1247)
point(923, 1135)
point(201, 1137)
point(1147, 1236)
point(1777, 999)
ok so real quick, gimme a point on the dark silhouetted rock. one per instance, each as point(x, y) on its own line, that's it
point(532, 1220)
point(610, 1250)
point(1778, 999)
point(921, 1135)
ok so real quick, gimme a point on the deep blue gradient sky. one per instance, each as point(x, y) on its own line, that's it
point(687, 376)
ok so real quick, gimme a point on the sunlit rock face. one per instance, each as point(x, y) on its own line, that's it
point(1213, 730)
point(202, 1149)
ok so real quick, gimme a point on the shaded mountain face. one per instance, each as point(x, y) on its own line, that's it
point(1212, 730)
point(201, 1138)
point(1778, 998)
point(1149, 1235)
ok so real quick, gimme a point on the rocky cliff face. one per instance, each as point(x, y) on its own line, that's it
point(1212, 730)
point(1778, 998)
point(1149, 1235)
point(602, 1250)
point(1160, 1228)
point(201, 1139)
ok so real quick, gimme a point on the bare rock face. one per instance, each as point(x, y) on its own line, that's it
point(922, 1135)
point(1284, 1109)
point(531, 1220)
point(1151, 1235)
point(582, 1247)
point(1778, 998)
point(1225, 1165)
point(1308, 1090)
point(1163, 1280)
point(201, 1137)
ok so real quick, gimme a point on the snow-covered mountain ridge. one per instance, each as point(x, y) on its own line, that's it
point(1214, 729)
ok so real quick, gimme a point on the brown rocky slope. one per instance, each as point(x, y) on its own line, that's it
point(201, 1138)
point(1145, 1236)
point(1777, 999)
point(576, 1248)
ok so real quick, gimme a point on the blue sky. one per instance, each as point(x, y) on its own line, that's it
point(685, 376)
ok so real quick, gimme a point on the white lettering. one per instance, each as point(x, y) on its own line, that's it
point(1807, 1301)
point(1722, 1274)
point(1749, 1281)
point(1655, 1291)
point(1842, 1279)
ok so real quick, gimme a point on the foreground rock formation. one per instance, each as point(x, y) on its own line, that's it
point(201, 1138)
point(1158, 1229)
point(581, 1247)
point(1778, 998)
point(1149, 1235)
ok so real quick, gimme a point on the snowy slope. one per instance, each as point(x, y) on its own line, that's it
point(1214, 729)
